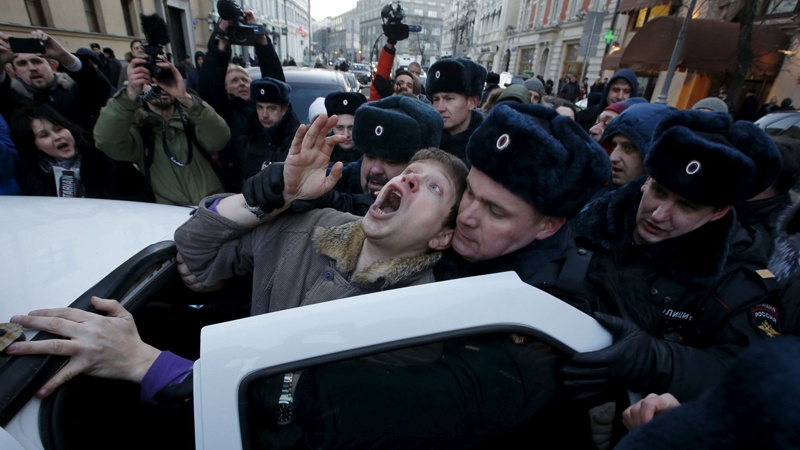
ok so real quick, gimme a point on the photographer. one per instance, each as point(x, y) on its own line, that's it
point(165, 135)
point(78, 91)
point(226, 88)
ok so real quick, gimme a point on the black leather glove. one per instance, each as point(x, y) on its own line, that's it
point(265, 189)
point(629, 363)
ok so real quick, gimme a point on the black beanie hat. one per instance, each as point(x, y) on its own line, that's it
point(396, 127)
point(544, 158)
point(270, 90)
point(343, 102)
point(457, 75)
point(705, 158)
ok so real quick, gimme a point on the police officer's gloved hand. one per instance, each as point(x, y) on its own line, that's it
point(265, 189)
point(629, 363)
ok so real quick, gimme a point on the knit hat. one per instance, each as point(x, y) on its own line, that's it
point(533, 84)
point(712, 104)
point(544, 158)
point(708, 160)
point(516, 93)
point(493, 78)
point(623, 105)
point(316, 108)
point(343, 102)
point(396, 127)
point(637, 124)
point(270, 90)
point(457, 75)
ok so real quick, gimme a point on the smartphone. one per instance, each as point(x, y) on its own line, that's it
point(23, 45)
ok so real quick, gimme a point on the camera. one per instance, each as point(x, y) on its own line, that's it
point(395, 30)
point(157, 36)
point(239, 32)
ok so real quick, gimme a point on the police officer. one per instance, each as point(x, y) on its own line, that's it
point(661, 278)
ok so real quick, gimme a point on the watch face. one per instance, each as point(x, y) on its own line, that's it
point(285, 413)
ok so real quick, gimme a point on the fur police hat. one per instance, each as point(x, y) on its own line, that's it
point(708, 160)
point(270, 90)
point(457, 75)
point(493, 78)
point(343, 102)
point(544, 158)
point(396, 127)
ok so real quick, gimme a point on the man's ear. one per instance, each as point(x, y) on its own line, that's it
point(442, 239)
point(549, 226)
point(472, 102)
point(720, 213)
point(53, 64)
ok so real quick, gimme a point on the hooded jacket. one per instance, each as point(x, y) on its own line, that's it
point(587, 117)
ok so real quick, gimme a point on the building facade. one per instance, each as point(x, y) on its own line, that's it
point(115, 23)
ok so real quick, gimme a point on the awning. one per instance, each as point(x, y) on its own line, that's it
point(626, 6)
point(710, 46)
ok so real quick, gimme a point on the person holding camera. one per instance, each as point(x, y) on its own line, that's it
point(77, 91)
point(227, 88)
point(165, 131)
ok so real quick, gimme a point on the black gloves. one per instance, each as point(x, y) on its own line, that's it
point(395, 32)
point(629, 363)
point(265, 189)
point(383, 86)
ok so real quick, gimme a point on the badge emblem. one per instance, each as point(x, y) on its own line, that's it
point(262, 91)
point(437, 74)
point(378, 130)
point(503, 141)
point(344, 102)
point(693, 167)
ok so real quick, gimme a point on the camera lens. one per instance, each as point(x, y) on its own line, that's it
point(239, 35)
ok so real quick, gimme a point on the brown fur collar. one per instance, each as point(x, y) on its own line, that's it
point(63, 80)
point(343, 244)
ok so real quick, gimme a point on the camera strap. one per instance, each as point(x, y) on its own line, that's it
point(174, 159)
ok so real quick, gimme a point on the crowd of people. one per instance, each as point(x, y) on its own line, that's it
point(675, 229)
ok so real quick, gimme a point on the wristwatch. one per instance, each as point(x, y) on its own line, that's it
point(286, 400)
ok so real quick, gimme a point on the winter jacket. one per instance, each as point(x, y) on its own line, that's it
point(9, 162)
point(238, 113)
point(258, 146)
point(100, 177)
point(587, 117)
point(295, 259)
point(381, 85)
point(76, 95)
point(570, 91)
point(702, 305)
point(118, 134)
point(456, 144)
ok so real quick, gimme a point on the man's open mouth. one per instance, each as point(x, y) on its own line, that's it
point(390, 202)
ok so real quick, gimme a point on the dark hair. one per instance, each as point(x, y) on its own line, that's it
point(456, 170)
point(135, 41)
point(20, 124)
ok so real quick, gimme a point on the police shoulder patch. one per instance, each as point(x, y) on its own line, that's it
point(766, 319)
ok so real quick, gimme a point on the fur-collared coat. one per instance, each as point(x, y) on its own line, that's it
point(704, 301)
point(295, 259)
point(76, 95)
